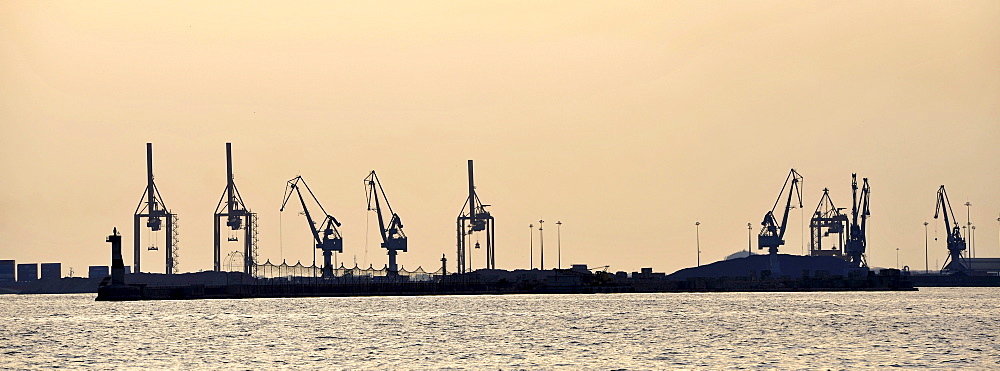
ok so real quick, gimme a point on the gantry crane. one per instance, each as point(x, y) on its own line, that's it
point(827, 220)
point(474, 218)
point(330, 239)
point(955, 263)
point(857, 239)
point(152, 208)
point(238, 217)
point(772, 234)
point(393, 238)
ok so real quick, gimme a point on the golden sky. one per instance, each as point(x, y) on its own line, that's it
point(626, 120)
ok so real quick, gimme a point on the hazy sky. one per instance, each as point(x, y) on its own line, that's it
point(628, 121)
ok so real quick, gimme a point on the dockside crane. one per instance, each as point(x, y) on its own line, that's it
point(955, 263)
point(152, 207)
point(827, 220)
point(772, 234)
point(857, 238)
point(326, 235)
point(238, 217)
point(474, 218)
point(393, 238)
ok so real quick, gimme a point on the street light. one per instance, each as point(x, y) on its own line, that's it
point(897, 258)
point(749, 243)
point(559, 243)
point(697, 239)
point(531, 246)
point(926, 261)
point(541, 245)
point(973, 234)
point(968, 219)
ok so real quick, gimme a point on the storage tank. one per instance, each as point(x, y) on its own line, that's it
point(27, 272)
point(51, 271)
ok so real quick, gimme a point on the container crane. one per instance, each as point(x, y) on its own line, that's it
point(152, 208)
point(474, 218)
point(955, 263)
point(827, 220)
point(393, 238)
point(326, 235)
point(238, 217)
point(857, 239)
point(772, 234)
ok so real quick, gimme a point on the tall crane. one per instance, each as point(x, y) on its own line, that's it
point(857, 239)
point(955, 263)
point(238, 217)
point(393, 238)
point(474, 218)
point(152, 208)
point(326, 235)
point(827, 220)
point(772, 234)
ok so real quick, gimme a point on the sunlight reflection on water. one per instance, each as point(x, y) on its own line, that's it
point(935, 327)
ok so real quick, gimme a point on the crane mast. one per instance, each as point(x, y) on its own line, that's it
point(393, 238)
point(772, 234)
point(857, 240)
point(956, 243)
point(326, 236)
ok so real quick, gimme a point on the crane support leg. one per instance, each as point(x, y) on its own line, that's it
point(169, 269)
point(217, 248)
point(135, 251)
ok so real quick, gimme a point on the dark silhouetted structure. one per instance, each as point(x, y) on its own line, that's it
point(152, 207)
point(857, 239)
point(330, 240)
point(827, 220)
point(955, 263)
point(238, 217)
point(474, 218)
point(393, 238)
point(772, 234)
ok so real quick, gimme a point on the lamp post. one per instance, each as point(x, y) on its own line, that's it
point(697, 240)
point(973, 234)
point(926, 261)
point(968, 219)
point(541, 244)
point(559, 243)
point(897, 258)
point(531, 246)
point(749, 243)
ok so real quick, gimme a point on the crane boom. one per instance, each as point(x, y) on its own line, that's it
point(772, 234)
point(956, 243)
point(393, 238)
point(330, 239)
point(857, 240)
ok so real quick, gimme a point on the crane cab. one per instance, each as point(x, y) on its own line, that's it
point(234, 222)
point(154, 223)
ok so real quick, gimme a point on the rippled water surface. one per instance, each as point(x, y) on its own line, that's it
point(935, 328)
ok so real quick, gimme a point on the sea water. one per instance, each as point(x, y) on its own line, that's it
point(931, 328)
